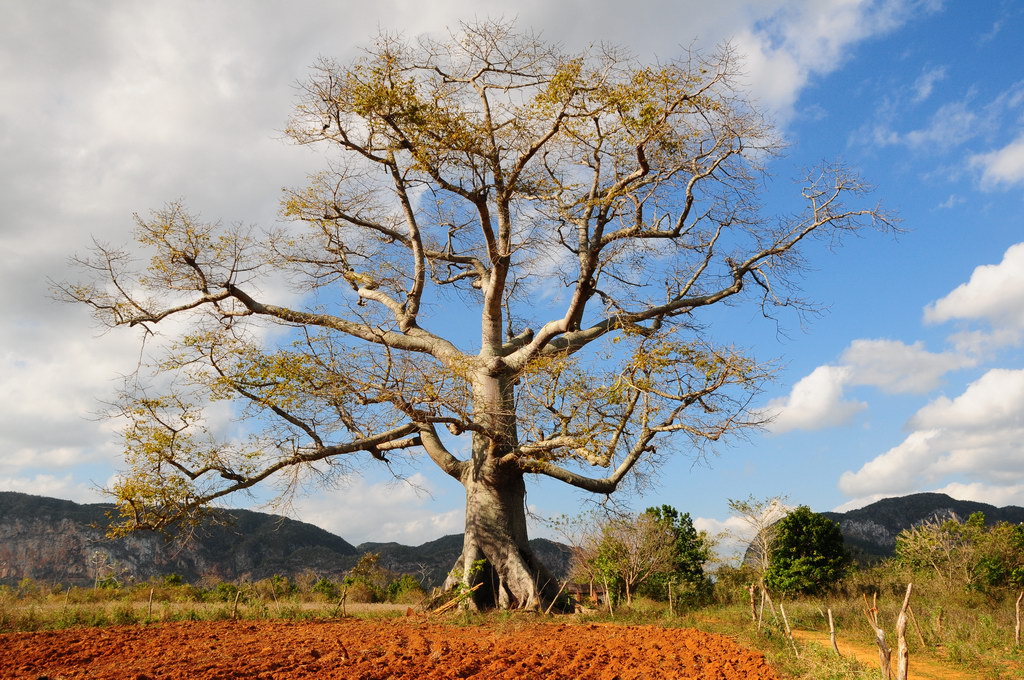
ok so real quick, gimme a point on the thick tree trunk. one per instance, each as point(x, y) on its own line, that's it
point(496, 550)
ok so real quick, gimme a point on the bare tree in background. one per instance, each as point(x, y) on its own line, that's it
point(759, 517)
point(575, 212)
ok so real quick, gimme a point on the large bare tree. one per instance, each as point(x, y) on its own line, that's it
point(583, 209)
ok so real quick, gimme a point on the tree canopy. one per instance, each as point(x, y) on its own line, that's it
point(511, 246)
point(691, 551)
point(807, 553)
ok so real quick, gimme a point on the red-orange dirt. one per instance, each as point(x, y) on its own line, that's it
point(368, 650)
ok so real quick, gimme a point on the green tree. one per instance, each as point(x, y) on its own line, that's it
point(807, 553)
point(467, 175)
point(691, 551)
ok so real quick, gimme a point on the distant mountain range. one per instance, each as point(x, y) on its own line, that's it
point(870, 532)
point(59, 541)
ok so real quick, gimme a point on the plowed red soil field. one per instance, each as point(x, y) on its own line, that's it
point(377, 649)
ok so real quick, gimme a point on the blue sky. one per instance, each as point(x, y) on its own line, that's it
point(910, 380)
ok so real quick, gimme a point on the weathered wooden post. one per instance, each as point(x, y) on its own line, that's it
point(1016, 628)
point(832, 633)
point(902, 650)
point(884, 653)
point(789, 632)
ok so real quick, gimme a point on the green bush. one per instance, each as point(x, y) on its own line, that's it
point(173, 580)
point(222, 592)
point(327, 588)
point(405, 590)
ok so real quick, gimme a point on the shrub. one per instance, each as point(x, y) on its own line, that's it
point(327, 588)
point(360, 591)
point(173, 580)
point(405, 590)
point(222, 592)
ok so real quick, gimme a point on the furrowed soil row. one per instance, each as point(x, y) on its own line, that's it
point(395, 649)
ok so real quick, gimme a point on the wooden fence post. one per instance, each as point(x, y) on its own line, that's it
point(917, 628)
point(548, 610)
point(884, 653)
point(1016, 628)
point(760, 609)
point(902, 651)
point(789, 632)
point(775, 614)
point(832, 632)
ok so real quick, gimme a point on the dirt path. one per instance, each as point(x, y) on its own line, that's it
point(920, 669)
point(383, 649)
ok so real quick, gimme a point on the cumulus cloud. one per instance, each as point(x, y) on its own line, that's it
point(65, 486)
point(992, 494)
point(974, 438)
point(993, 294)
point(994, 401)
point(860, 502)
point(815, 402)
point(896, 367)
point(399, 511)
point(1003, 167)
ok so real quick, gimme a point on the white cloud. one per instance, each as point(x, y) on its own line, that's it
point(995, 294)
point(66, 487)
point(952, 124)
point(998, 496)
point(897, 367)
point(732, 535)
point(1003, 167)
point(735, 533)
point(924, 85)
point(993, 494)
point(815, 402)
point(951, 202)
point(975, 438)
point(810, 38)
point(895, 471)
point(398, 511)
point(980, 343)
point(994, 401)
point(860, 502)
